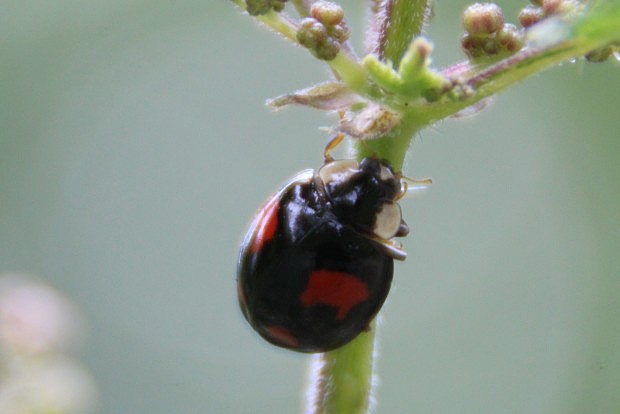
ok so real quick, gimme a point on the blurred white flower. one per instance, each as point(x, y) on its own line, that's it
point(37, 325)
point(52, 385)
point(35, 318)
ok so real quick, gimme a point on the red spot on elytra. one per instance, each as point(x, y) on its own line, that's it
point(266, 225)
point(332, 288)
point(282, 336)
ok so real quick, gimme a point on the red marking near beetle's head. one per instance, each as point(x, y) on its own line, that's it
point(266, 224)
point(282, 336)
point(332, 288)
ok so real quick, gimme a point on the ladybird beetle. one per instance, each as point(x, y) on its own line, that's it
point(316, 263)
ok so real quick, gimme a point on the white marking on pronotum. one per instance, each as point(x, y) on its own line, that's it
point(388, 220)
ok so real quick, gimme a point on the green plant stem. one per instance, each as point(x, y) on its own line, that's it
point(348, 69)
point(403, 20)
point(392, 146)
point(277, 22)
point(342, 379)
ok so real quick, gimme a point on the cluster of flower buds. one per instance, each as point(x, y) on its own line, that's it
point(324, 31)
point(486, 33)
point(258, 7)
point(541, 9)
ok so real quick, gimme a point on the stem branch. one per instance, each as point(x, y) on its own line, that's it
point(278, 22)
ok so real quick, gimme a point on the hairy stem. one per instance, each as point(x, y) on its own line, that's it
point(278, 22)
point(341, 381)
point(393, 25)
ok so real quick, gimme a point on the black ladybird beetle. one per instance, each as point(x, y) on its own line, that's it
point(316, 263)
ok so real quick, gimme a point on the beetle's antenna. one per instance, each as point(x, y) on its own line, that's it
point(409, 185)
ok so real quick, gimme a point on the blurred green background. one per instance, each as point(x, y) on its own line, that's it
point(135, 147)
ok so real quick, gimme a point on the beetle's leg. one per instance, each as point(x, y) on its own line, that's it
point(333, 143)
point(391, 248)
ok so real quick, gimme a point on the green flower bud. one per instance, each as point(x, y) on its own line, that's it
point(330, 14)
point(278, 5)
point(531, 15)
point(483, 18)
point(340, 32)
point(259, 7)
point(472, 45)
point(551, 6)
point(490, 46)
point(509, 38)
point(311, 33)
point(327, 50)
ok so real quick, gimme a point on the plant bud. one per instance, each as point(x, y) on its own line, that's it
point(330, 14)
point(531, 15)
point(259, 7)
point(340, 32)
point(551, 6)
point(311, 33)
point(483, 18)
point(509, 38)
point(472, 45)
point(327, 50)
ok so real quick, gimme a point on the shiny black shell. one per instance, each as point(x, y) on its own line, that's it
point(311, 272)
